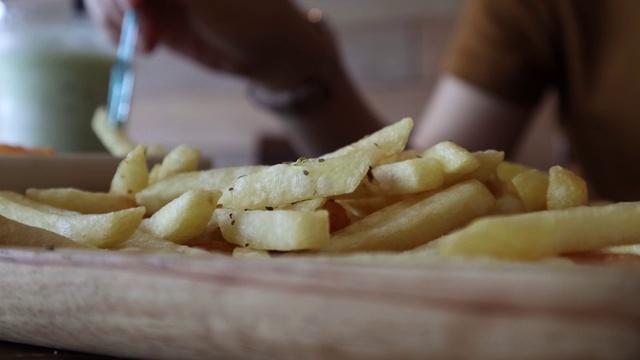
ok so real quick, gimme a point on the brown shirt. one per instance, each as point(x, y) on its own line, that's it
point(589, 50)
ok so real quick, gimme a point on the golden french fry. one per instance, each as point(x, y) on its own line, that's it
point(182, 159)
point(281, 230)
point(415, 221)
point(538, 235)
point(142, 242)
point(405, 177)
point(161, 193)
point(306, 205)
point(456, 161)
point(154, 173)
point(247, 253)
point(13, 233)
point(531, 186)
point(114, 139)
point(508, 204)
point(406, 154)
point(102, 230)
point(183, 218)
point(81, 201)
point(505, 172)
point(132, 174)
point(289, 183)
point(566, 189)
point(359, 208)
point(384, 143)
point(489, 161)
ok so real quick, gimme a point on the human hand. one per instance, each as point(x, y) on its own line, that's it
point(269, 42)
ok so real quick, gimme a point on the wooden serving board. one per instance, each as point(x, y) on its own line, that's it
point(182, 307)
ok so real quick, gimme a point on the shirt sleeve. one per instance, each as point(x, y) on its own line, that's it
point(505, 47)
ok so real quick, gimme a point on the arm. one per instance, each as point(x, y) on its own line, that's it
point(271, 44)
point(470, 117)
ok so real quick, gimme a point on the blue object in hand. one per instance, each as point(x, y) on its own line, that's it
point(122, 75)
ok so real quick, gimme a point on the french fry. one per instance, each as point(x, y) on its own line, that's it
point(81, 201)
point(154, 174)
point(456, 161)
point(183, 218)
point(289, 183)
point(102, 230)
point(281, 230)
point(161, 193)
point(531, 186)
point(13, 233)
point(488, 164)
point(405, 177)
point(538, 235)
point(132, 174)
point(360, 208)
point(386, 142)
point(182, 159)
point(248, 253)
point(505, 172)
point(142, 242)
point(114, 139)
point(406, 154)
point(416, 221)
point(508, 204)
point(566, 189)
point(306, 205)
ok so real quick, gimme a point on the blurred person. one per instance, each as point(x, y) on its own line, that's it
point(507, 53)
point(292, 63)
point(504, 56)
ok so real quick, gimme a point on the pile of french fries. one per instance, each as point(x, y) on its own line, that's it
point(373, 196)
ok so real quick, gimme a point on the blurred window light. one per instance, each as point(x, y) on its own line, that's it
point(3, 10)
point(314, 15)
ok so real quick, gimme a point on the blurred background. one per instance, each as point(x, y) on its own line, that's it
point(392, 48)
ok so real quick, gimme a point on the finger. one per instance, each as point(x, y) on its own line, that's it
point(107, 14)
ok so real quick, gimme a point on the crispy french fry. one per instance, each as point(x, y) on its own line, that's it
point(538, 235)
point(182, 159)
point(566, 189)
point(405, 177)
point(289, 183)
point(161, 193)
point(114, 139)
point(13, 233)
point(282, 230)
point(103, 230)
point(531, 186)
point(183, 218)
point(415, 221)
point(132, 174)
point(456, 161)
point(505, 172)
point(386, 142)
point(489, 162)
point(247, 253)
point(154, 173)
point(142, 242)
point(359, 208)
point(81, 201)
point(306, 205)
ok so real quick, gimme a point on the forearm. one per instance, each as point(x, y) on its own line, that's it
point(338, 117)
point(470, 117)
